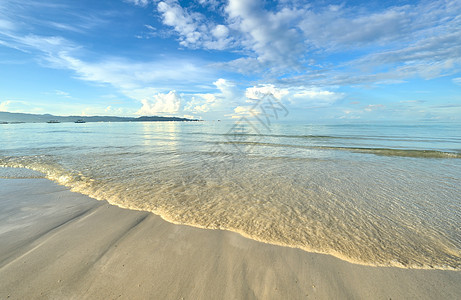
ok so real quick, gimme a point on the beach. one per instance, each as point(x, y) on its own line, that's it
point(57, 244)
point(375, 195)
point(239, 149)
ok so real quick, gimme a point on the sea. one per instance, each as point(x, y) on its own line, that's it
point(377, 194)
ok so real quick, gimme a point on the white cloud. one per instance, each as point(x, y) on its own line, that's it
point(201, 103)
point(62, 93)
point(428, 49)
point(193, 28)
point(4, 105)
point(296, 95)
point(197, 105)
point(190, 117)
point(20, 106)
point(284, 43)
point(333, 28)
point(6, 25)
point(317, 96)
point(260, 91)
point(135, 79)
point(161, 104)
point(49, 45)
point(227, 96)
point(183, 23)
point(220, 31)
point(213, 4)
point(114, 111)
point(244, 111)
point(279, 39)
point(427, 58)
point(271, 36)
point(229, 99)
point(372, 107)
point(227, 88)
point(138, 2)
point(457, 80)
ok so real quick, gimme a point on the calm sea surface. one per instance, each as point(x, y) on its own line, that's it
point(383, 195)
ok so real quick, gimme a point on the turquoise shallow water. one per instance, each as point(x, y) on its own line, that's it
point(383, 195)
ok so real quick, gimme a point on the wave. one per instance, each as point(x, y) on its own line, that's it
point(417, 153)
point(401, 152)
point(333, 137)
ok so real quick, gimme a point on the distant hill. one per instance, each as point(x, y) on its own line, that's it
point(7, 117)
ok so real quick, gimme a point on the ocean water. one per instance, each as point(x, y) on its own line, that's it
point(380, 195)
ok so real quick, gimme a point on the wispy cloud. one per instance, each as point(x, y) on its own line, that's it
point(62, 94)
point(4, 105)
point(126, 75)
point(138, 2)
point(372, 107)
point(6, 25)
point(130, 75)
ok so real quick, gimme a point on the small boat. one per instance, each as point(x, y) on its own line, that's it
point(80, 121)
point(53, 121)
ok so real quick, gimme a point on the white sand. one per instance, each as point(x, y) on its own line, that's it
point(55, 244)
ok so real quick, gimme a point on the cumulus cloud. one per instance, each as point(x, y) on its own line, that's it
point(295, 95)
point(253, 100)
point(227, 88)
point(200, 104)
point(193, 28)
point(226, 96)
point(288, 38)
point(161, 104)
point(272, 36)
point(183, 22)
point(246, 28)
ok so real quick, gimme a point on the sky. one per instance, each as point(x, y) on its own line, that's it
point(211, 59)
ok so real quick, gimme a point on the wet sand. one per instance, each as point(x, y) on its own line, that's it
point(55, 244)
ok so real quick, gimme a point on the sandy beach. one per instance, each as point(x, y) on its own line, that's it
point(56, 244)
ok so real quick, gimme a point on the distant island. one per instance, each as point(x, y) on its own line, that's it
point(8, 118)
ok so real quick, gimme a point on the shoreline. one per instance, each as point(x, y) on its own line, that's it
point(20, 171)
point(60, 244)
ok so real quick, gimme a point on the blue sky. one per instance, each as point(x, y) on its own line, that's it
point(211, 59)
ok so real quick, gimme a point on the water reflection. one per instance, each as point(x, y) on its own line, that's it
point(165, 135)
